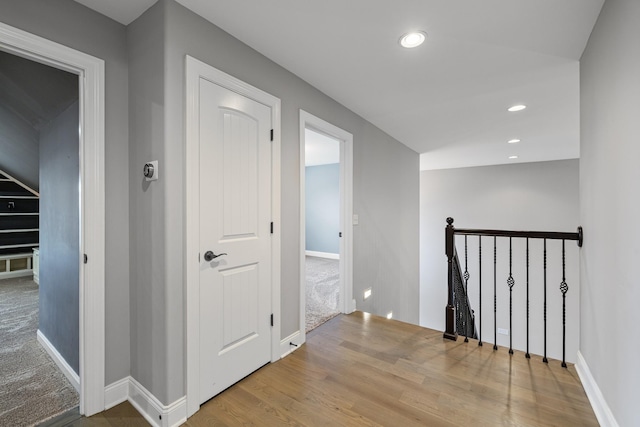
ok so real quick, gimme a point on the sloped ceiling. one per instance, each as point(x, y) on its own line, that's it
point(35, 92)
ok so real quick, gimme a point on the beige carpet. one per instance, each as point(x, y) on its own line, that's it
point(322, 292)
point(32, 389)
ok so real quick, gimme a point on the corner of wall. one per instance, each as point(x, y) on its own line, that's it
point(156, 414)
point(596, 398)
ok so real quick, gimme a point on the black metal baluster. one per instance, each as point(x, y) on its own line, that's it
point(466, 292)
point(564, 288)
point(480, 284)
point(510, 282)
point(544, 359)
point(527, 355)
point(495, 298)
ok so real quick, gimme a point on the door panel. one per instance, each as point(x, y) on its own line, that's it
point(235, 206)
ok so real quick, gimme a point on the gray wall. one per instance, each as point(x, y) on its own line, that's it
point(60, 234)
point(609, 206)
point(73, 25)
point(384, 169)
point(149, 261)
point(526, 196)
point(19, 155)
point(322, 208)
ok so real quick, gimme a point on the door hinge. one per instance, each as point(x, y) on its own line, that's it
point(271, 134)
point(271, 319)
point(272, 227)
point(86, 258)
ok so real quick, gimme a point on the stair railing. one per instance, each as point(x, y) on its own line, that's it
point(460, 318)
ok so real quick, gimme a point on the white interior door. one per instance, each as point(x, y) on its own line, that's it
point(235, 234)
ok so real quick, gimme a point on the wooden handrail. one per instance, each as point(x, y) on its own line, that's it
point(450, 232)
point(555, 235)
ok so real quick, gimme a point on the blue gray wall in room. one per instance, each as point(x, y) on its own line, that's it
point(18, 148)
point(59, 234)
point(322, 208)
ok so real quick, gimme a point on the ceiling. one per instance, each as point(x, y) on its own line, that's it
point(35, 92)
point(446, 99)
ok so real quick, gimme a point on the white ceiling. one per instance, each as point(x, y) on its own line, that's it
point(320, 149)
point(447, 98)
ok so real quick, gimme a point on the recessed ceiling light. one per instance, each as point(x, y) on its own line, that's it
point(513, 157)
point(413, 39)
point(515, 108)
point(390, 315)
point(513, 141)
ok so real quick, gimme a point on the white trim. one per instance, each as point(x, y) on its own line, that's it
point(598, 403)
point(310, 121)
point(153, 410)
point(326, 255)
point(16, 273)
point(64, 367)
point(194, 70)
point(285, 345)
point(116, 393)
point(92, 205)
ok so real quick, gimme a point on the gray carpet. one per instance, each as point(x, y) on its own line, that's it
point(32, 389)
point(323, 291)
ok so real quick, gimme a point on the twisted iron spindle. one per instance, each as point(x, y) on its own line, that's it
point(544, 359)
point(495, 298)
point(510, 282)
point(564, 288)
point(466, 292)
point(480, 284)
point(527, 355)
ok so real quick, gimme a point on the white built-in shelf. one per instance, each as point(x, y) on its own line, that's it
point(23, 245)
point(19, 197)
point(19, 213)
point(20, 230)
point(14, 223)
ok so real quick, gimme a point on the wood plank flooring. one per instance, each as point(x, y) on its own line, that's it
point(363, 370)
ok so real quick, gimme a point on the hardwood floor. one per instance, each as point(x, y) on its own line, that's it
point(363, 370)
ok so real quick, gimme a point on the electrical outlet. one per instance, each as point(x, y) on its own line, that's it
point(503, 331)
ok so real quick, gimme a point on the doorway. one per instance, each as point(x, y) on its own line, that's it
point(39, 115)
point(91, 193)
point(326, 240)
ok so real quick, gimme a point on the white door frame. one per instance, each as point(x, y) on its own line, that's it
point(309, 121)
point(90, 71)
point(195, 70)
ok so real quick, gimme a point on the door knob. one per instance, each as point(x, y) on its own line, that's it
point(210, 256)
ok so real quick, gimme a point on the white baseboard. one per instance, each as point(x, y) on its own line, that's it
point(353, 307)
point(116, 393)
point(156, 414)
point(285, 345)
point(598, 403)
point(322, 255)
point(64, 367)
point(16, 273)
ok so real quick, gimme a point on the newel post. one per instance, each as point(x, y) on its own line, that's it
point(449, 311)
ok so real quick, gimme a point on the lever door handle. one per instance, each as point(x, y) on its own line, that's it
point(210, 256)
